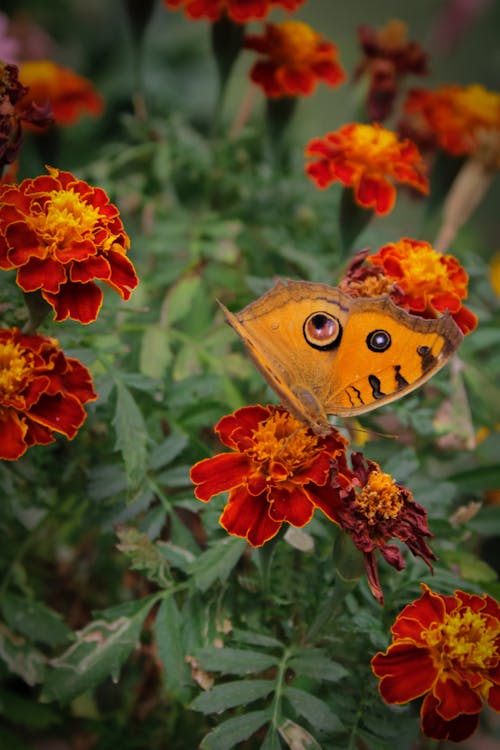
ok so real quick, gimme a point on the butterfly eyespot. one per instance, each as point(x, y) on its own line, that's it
point(378, 341)
point(322, 331)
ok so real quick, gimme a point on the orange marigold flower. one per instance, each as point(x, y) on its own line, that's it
point(15, 113)
point(369, 159)
point(460, 118)
point(369, 505)
point(299, 57)
point(446, 648)
point(388, 56)
point(68, 93)
point(42, 392)
point(239, 11)
point(426, 282)
point(62, 235)
point(274, 474)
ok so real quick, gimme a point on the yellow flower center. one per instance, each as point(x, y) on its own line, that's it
point(380, 498)
point(372, 143)
point(283, 438)
point(66, 218)
point(422, 268)
point(16, 365)
point(466, 640)
point(479, 104)
point(297, 43)
point(393, 35)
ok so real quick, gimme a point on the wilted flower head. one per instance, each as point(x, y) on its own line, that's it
point(273, 474)
point(62, 235)
point(239, 11)
point(15, 112)
point(42, 392)
point(69, 94)
point(368, 158)
point(296, 58)
point(388, 57)
point(446, 648)
point(373, 509)
point(463, 120)
point(417, 277)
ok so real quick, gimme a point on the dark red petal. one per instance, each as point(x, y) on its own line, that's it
point(376, 193)
point(455, 698)
point(24, 243)
point(494, 697)
point(291, 505)
point(41, 273)
point(123, 276)
point(77, 301)
point(428, 609)
point(12, 435)
point(61, 413)
point(407, 672)
point(96, 267)
point(434, 726)
point(247, 516)
point(243, 421)
point(219, 474)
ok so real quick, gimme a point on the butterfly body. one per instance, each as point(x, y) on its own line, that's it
point(324, 352)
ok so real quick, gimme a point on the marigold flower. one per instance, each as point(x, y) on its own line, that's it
point(15, 113)
point(446, 648)
point(420, 279)
point(42, 392)
point(239, 11)
point(274, 475)
point(388, 56)
point(62, 235)
point(369, 159)
point(462, 119)
point(69, 94)
point(369, 505)
point(298, 57)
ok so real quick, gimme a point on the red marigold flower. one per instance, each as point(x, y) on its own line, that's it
point(15, 112)
point(369, 159)
point(273, 476)
point(68, 93)
point(461, 119)
point(42, 392)
point(299, 57)
point(426, 282)
point(239, 11)
point(62, 234)
point(369, 505)
point(446, 648)
point(388, 56)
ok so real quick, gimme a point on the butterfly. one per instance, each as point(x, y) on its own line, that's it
point(324, 352)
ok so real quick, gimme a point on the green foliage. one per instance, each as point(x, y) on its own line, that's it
point(129, 617)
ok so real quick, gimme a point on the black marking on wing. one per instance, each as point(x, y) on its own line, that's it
point(375, 384)
point(401, 381)
point(427, 357)
point(357, 394)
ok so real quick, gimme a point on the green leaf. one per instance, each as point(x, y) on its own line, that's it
point(144, 555)
point(231, 694)
point(255, 639)
point(231, 732)
point(477, 479)
point(486, 522)
point(318, 713)
point(471, 567)
point(271, 740)
point(27, 712)
point(170, 644)
point(35, 620)
point(131, 435)
point(168, 450)
point(234, 660)
point(180, 298)
point(20, 657)
point(99, 651)
point(315, 663)
point(217, 562)
point(155, 355)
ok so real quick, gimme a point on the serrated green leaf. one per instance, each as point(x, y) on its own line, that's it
point(155, 354)
point(179, 557)
point(255, 639)
point(231, 732)
point(144, 555)
point(217, 562)
point(317, 712)
point(35, 620)
point(180, 297)
point(235, 660)
point(20, 657)
point(231, 694)
point(99, 651)
point(315, 663)
point(131, 435)
point(171, 651)
point(164, 453)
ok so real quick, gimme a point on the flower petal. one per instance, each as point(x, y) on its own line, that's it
point(455, 698)
point(77, 301)
point(407, 672)
point(290, 504)
point(247, 516)
point(219, 474)
point(434, 726)
point(12, 435)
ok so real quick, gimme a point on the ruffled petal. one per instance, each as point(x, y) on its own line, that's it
point(437, 728)
point(291, 505)
point(407, 672)
point(455, 698)
point(12, 435)
point(247, 516)
point(77, 301)
point(219, 474)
